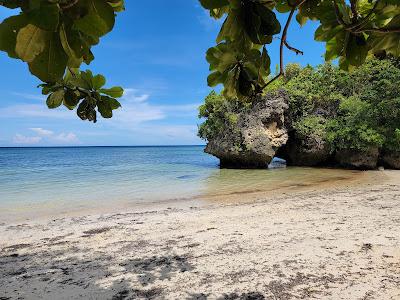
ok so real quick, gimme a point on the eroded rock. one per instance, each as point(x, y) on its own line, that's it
point(391, 160)
point(305, 151)
point(357, 159)
point(260, 131)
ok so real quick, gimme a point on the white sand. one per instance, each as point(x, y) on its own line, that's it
point(334, 243)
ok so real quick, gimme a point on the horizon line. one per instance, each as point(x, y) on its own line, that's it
point(104, 146)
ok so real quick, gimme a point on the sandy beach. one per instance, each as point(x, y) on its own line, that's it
point(334, 242)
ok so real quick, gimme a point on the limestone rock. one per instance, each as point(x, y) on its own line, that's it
point(260, 131)
point(391, 159)
point(364, 160)
point(305, 151)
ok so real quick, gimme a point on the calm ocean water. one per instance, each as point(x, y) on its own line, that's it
point(50, 178)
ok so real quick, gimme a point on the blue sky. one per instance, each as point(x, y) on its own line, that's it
point(157, 53)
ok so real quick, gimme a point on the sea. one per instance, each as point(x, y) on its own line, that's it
point(43, 181)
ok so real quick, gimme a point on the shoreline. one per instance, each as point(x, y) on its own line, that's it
point(53, 210)
point(331, 243)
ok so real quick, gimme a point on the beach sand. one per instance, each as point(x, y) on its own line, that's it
point(332, 242)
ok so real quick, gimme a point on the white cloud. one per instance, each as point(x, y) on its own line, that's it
point(29, 96)
point(26, 140)
point(66, 138)
point(35, 111)
point(130, 95)
point(136, 109)
point(47, 137)
point(42, 132)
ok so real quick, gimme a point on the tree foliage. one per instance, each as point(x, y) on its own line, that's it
point(352, 31)
point(56, 36)
point(349, 111)
point(355, 110)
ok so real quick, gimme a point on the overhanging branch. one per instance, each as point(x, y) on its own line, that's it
point(283, 44)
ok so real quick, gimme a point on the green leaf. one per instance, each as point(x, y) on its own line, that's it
point(301, 19)
point(115, 92)
point(46, 16)
point(117, 5)
point(356, 50)
point(214, 79)
point(31, 41)
point(55, 99)
point(99, 21)
point(98, 82)
point(71, 99)
point(87, 78)
point(50, 65)
point(9, 29)
point(212, 4)
point(104, 109)
point(12, 3)
point(74, 60)
point(113, 103)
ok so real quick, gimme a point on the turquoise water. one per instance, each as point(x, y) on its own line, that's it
point(50, 178)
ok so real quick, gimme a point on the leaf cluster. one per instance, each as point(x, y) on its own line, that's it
point(349, 110)
point(52, 36)
point(220, 115)
point(352, 30)
point(86, 92)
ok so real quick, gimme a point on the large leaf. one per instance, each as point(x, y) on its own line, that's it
point(55, 99)
point(356, 50)
point(46, 16)
point(104, 109)
point(9, 29)
point(50, 65)
point(31, 41)
point(115, 92)
point(74, 57)
point(98, 82)
point(99, 21)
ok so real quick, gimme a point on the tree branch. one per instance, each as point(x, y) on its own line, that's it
point(378, 30)
point(283, 44)
point(297, 51)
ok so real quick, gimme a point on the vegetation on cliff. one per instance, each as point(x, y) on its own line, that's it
point(356, 111)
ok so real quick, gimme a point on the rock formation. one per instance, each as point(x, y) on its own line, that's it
point(364, 160)
point(391, 160)
point(264, 131)
point(259, 133)
point(307, 151)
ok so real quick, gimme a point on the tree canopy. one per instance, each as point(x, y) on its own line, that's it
point(55, 37)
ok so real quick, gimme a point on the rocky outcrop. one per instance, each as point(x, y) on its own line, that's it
point(264, 131)
point(260, 131)
point(356, 159)
point(307, 151)
point(391, 160)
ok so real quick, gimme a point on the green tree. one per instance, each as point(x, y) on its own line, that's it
point(55, 37)
point(347, 110)
point(352, 32)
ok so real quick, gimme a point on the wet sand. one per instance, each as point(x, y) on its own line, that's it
point(338, 241)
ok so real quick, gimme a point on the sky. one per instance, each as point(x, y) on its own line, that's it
point(156, 52)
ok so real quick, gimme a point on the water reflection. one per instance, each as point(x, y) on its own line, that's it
point(226, 182)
